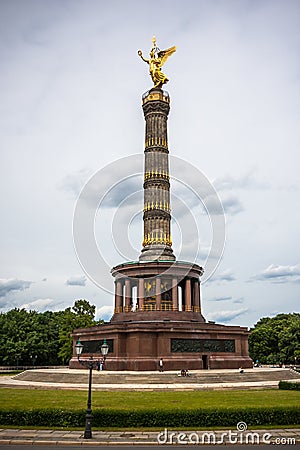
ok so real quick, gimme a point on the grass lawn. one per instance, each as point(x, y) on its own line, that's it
point(69, 399)
point(11, 372)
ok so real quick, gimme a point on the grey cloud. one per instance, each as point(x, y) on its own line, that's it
point(4, 303)
point(41, 304)
point(238, 300)
point(219, 299)
point(225, 299)
point(226, 275)
point(186, 194)
point(12, 284)
point(184, 198)
point(75, 182)
point(226, 316)
point(279, 274)
point(247, 181)
point(183, 206)
point(127, 191)
point(213, 205)
point(76, 281)
point(36, 304)
point(232, 205)
point(122, 192)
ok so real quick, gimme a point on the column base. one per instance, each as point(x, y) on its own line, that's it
point(157, 253)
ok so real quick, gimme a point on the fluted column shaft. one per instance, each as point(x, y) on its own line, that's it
point(188, 295)
point(128, 295)
point(196, 306)
point(157, 242)
point(175, 294)
point(118, 296)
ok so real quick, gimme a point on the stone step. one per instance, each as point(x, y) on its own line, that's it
point(203, 377)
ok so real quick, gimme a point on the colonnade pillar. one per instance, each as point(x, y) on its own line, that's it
point(197, 306)
point(140, 294)
point(128, 295)
point(118, 296)
point(175, 294)
point(188, 295)
point(191, 301)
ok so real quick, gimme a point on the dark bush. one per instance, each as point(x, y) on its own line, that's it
point(289, 386)
point(152, 418)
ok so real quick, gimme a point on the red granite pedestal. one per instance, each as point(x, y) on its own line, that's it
point(138, 345)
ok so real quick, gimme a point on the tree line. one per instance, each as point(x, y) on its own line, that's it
point(34, 338)
point(276, 340)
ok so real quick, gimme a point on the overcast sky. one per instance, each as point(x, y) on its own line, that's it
point(70, 105)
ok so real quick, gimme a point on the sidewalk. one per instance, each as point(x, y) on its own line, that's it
point(123, 438)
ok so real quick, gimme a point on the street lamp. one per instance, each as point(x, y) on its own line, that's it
point(33, 359)
point(90, 364)
point(104, 351)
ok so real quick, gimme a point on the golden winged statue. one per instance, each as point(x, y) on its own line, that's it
point(157, 60)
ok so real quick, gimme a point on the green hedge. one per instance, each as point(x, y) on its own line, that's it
point(42, 417)
point(289, 386)
point(152, 418)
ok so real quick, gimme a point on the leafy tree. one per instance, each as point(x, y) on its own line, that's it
point(28, 338)
point(81, 315)
point(83, 309)
point(276, 339)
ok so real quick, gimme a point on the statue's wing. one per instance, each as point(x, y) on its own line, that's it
point(165, 54)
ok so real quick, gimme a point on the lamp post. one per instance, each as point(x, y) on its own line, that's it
point(90, 364)
point(33, 359)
